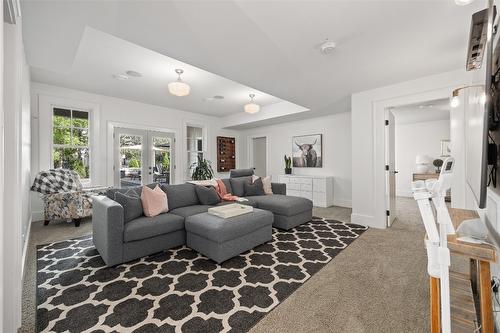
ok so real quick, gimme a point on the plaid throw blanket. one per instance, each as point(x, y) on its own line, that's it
point(55, 181)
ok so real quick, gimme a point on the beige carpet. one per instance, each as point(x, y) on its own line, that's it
point(378, 284)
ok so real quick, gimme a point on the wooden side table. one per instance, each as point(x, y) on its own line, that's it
point(466, 290)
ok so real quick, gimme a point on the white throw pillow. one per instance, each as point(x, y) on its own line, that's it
point(266, 181)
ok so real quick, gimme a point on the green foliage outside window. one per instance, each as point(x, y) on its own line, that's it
point(70, 140)
point(134, 163)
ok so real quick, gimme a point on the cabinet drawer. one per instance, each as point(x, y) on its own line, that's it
point(306, 187)
point(293, 186)
point(284, 180)
point(319, 199)
point(305, 180)
point(319, 185)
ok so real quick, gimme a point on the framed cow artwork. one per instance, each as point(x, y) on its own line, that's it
point(307, 151)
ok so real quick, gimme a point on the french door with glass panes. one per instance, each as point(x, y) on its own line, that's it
point(143, 157)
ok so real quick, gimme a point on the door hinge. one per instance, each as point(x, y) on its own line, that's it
point(113, 135)
point(387, 167)
point(113, 168)
point(388, 212)
point(174, 140)
point(386, 122)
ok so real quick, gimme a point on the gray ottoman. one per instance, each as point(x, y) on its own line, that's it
point(221, 239)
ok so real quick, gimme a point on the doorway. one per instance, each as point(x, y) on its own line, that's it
point(259, 156)
point(143, 157)
point(417, 140)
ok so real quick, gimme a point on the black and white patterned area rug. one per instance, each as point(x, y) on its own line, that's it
point(180, 290)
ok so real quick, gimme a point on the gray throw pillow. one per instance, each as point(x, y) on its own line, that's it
point(207, 195)
point(238, 185)
point(257, 188)
point(132, 206)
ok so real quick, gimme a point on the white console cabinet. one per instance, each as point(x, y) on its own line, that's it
point(319, 189)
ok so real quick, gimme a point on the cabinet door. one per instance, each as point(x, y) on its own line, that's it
point(319, 185)
point(319, 199)
point(306, 194)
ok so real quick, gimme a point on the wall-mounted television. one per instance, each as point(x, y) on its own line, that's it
point(478, 104)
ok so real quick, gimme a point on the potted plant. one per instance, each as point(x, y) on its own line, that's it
point(438, 163)
point(202, 170)
point(288, 165)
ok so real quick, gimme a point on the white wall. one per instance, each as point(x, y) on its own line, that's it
point(109, 111)
point(3, 249)
point(421, 138)
point(368, 142)
point(336, 130)
point(16, 172)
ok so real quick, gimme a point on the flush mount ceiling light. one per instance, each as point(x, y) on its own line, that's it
point(463, 2)
point(252, 107)
point(179, 87)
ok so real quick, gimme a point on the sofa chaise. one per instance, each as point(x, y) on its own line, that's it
point(118, 241)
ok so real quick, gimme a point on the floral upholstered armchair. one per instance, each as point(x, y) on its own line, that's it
point(64, 196)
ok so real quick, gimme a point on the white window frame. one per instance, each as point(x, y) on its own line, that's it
point(42, 129)
point(84, 181)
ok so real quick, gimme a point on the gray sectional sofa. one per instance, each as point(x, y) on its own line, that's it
point(118, 241)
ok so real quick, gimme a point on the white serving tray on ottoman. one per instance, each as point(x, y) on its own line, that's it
point(231, 210)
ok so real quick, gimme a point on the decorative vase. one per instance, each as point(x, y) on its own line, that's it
point(288, 171)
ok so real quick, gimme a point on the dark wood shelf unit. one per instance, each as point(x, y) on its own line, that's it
point(226, 153)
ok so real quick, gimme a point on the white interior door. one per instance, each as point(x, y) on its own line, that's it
point(390, 157)
point(143, 157)
point(259, 156)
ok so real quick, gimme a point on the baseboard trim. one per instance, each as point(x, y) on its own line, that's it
point(25, 248)
point(37, 216)
point(366, 220)
point(343, 203)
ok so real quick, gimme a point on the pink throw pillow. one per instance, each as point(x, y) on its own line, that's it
point(154, 202)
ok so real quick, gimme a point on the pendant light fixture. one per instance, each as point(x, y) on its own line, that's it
point(179, 87)
point(252, 107)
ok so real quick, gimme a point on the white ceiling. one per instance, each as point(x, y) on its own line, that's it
point(100, 56)
point(421, 112)
point(271, 46)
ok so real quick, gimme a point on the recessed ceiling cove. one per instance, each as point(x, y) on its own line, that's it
point(271, 46)
point(101, 57)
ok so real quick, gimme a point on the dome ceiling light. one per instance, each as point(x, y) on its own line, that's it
point(252, 107)
point(179, 87)
point(463, 2)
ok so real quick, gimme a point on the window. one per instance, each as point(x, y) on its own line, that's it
point(70, 141)
point(194, 138)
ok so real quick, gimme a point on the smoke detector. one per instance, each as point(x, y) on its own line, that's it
point(327, 47)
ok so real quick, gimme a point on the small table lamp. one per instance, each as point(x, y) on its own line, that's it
point(422, 162)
